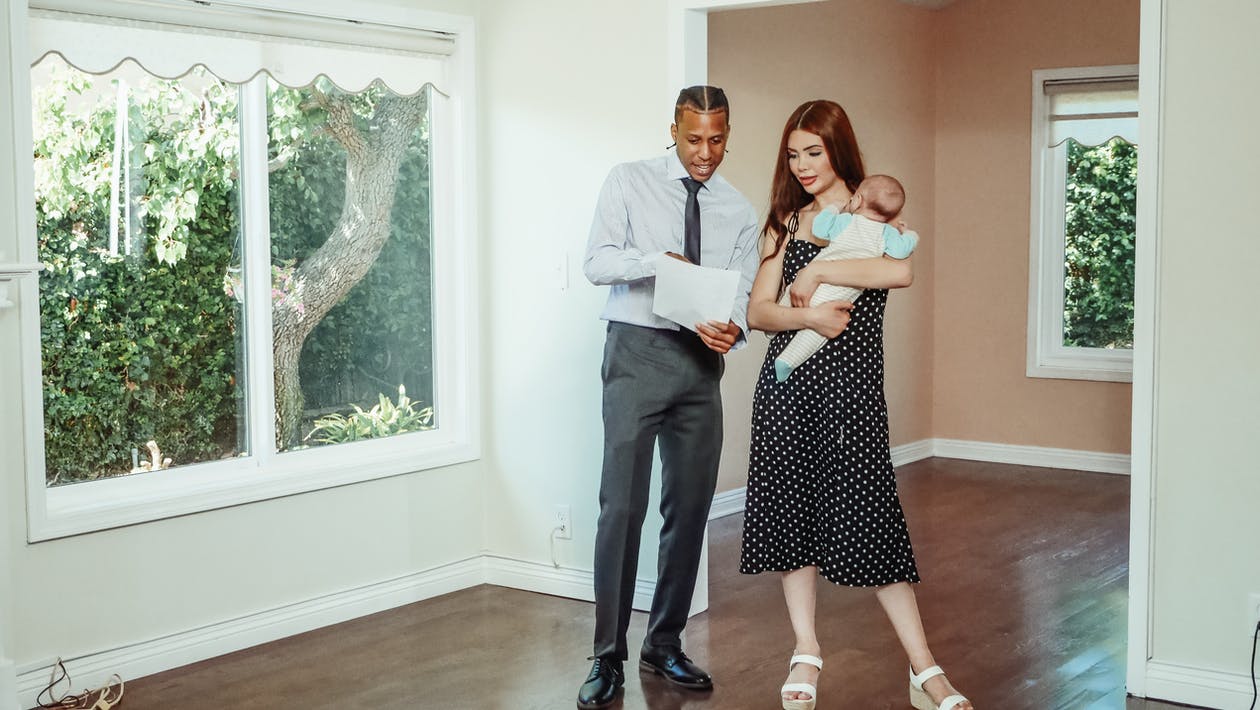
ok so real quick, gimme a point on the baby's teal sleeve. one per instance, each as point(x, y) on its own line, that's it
point(899, 245)
point(831, 222)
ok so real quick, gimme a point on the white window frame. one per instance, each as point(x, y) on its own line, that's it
point(1047, 356)
point(96, 505)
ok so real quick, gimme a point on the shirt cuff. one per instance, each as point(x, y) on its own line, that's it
point(649, 262)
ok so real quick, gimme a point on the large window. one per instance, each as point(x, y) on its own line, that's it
point(252, 281)
point(1084, 187)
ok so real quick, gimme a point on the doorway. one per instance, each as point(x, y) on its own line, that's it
point(690, 53)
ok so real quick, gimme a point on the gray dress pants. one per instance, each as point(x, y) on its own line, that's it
point(659, 385)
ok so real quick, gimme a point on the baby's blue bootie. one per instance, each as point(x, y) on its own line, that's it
point(781, 370)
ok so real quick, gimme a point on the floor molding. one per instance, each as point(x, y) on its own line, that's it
point(914, 451)
point(1095, 461)
point(1197, 686)
point(160, 654)
point(727, 503)
point(167, 652)
point(557, 581)
point(572, 583)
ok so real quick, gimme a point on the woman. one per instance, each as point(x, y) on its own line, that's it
point(821, 497)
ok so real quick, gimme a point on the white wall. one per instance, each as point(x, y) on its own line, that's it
point(1207, 480)
point(103, 591)
point(569, 88)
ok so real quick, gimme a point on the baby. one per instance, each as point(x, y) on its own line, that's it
point(861, 231)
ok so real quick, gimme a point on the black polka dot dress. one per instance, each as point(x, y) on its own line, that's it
point(821, 489)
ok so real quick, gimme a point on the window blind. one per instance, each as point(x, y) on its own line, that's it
point(1092, 111)
point(169, 38)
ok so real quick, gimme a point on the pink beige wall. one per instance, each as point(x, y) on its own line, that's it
point(875, 59)
point(985, 52)
point(941, 99)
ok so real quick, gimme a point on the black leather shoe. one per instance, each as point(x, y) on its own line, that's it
point(600, 688)
point(672, 663)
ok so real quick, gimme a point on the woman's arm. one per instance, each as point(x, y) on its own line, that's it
point(765, 313)
point(876, 272)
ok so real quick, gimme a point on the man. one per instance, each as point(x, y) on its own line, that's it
point(661, 382)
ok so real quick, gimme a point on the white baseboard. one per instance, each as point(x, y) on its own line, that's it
point(560, 582)
point(575, 583)
point(161, 654)
point(727, 503)
point(1197, 686)
point(1095, 461)
point(914, 451)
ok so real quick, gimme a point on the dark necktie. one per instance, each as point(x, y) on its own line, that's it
point(691, 225)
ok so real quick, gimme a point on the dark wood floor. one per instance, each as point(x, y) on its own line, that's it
point(1024, 600)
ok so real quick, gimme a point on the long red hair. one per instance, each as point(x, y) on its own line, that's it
point(827, 120)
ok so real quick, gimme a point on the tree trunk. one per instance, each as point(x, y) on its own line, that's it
point(331, 271)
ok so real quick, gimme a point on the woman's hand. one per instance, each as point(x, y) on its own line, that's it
point(830, 318)
point(876, 272)
point(802, 289)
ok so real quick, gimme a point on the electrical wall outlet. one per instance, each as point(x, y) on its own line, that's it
point(563, 522)
point(1253, 612)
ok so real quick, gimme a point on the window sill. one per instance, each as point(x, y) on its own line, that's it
point(1095, 364)
point(91, 506)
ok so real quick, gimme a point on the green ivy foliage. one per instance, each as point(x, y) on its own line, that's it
point(143, 346)
point(1099, 247)
point(148, 345)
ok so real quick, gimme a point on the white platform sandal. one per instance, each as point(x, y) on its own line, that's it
point(808, 704)
point(921, 700)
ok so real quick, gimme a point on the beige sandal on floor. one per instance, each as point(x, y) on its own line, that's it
point(809, 703)
point(107, 699)
point(921, 700)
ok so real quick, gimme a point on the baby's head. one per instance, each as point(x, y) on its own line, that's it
point(879, 197)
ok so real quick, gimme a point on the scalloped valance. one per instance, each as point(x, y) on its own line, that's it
point(169, 38)
point(1093, 111)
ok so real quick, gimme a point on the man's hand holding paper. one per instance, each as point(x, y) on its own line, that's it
point(719, 337)
point(690, 295)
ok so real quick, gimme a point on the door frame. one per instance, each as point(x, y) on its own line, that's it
point(688, 36)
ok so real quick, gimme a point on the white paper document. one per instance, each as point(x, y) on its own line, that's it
point(688, 294)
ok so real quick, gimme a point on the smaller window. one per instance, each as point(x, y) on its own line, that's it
point(1083, 223)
